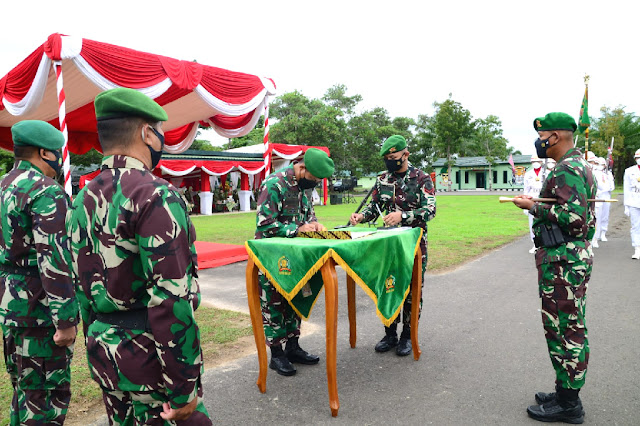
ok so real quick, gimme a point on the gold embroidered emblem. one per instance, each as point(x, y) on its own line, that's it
point(390, 283)
point(284, 266)
point(538, 124)
point(392, 149)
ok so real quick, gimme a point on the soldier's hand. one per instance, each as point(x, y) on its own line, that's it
point(183, 413)
point(392, 219)
point(65, 337)
point(307, 227)
point(356, 218)
point(523, 201)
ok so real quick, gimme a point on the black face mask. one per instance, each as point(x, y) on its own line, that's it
point(56, 164)
point(541, 147)
point(393, 165)
point(156, 155)
point(305, 183)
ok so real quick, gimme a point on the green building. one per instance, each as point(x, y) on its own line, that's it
point(473, 173)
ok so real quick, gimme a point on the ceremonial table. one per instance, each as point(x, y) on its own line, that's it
point(386, 264)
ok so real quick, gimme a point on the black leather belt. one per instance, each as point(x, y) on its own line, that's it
point(537, 241)
point(31, 271)
point(135, 319)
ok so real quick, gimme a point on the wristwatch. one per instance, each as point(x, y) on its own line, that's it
point(404, 215)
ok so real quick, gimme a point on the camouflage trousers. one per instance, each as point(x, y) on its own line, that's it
point(563, 290)
point(40, 375)
point(279, 320)
point(144, 408)
point(406, 306)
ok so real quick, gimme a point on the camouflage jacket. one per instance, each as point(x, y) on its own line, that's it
point(133, 249)
point(33, 208)
point(412, 193)
point(282, 206)
point(571, 183)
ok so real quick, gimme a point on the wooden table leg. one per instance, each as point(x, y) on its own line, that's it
point(253, 297)
point(351, 302)
point(331, 300)
point(416, 291)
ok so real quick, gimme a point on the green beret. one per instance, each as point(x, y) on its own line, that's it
point(318, 163)
point(393, 144)
point(555, 121)
point(123, 102)
point(37, 133)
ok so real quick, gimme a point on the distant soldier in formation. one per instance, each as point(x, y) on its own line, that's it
point(284, 210)
point(533, 179)
point(407, 196)
point(563, 231)
point(605, 182)
point(38, 308)
point(133, 247)
point(632, 202)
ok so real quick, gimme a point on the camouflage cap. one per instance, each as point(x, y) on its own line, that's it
point(555, 121)
point(318, 163)
point(393, 144)
point(37, 133)
point(123, 102)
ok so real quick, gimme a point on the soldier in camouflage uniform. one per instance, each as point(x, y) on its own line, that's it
point(134, 254)
point(563, 233)
point(284, 209)
point(38, 309)
point(407, 196)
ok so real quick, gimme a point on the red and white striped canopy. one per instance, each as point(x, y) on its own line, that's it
point(191, 93)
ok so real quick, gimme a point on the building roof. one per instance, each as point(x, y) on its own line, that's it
point(481, 161)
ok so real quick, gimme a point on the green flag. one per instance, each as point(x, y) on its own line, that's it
point(583, 120)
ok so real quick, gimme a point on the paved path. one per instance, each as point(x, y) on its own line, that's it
point(483, 350)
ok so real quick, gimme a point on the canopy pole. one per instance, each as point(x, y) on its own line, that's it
point(267, 151)
point(66, 163)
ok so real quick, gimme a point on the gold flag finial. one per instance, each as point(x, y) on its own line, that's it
point(586, 79)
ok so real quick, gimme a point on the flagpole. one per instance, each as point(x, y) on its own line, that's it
point(586, 100)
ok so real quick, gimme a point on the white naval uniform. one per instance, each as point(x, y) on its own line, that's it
point(632, 201)
point(532, 187)
point(606, 184)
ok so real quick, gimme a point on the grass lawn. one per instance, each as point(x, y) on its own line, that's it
point(219, 328)
point(465, 225)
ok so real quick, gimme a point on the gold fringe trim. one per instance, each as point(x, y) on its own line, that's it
point(290, 295)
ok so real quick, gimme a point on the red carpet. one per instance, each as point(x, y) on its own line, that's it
point(211, 255)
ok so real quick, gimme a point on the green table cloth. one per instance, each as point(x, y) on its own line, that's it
point(381, 263)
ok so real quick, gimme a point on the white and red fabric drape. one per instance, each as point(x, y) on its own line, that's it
point(191, 93)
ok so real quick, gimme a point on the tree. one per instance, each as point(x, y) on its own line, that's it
point(489, 142)
point(6, 161)
point(254, 137)
point(204, 145)
point(304, 121)
point(446, 131)
point(624, 128)
point(90, 159)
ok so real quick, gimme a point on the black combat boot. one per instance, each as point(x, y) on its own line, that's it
point(404, 345)
point(295, 353)
point(280, 363)
point(390, 339)
point(565, 407)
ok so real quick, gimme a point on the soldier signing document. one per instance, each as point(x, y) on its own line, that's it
point(284, 210)
point(406, 195)
point(562, 234)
